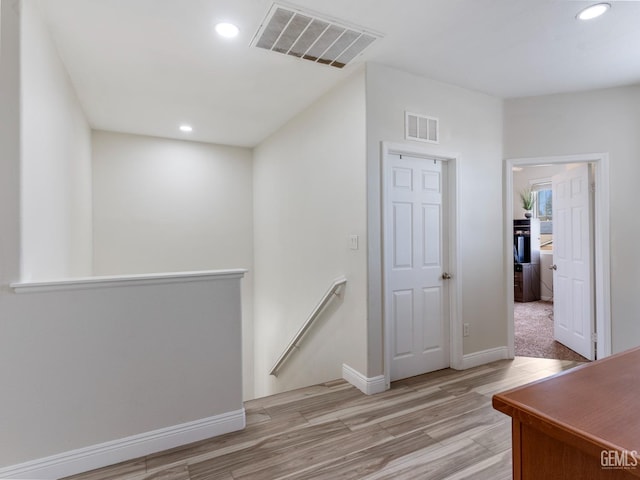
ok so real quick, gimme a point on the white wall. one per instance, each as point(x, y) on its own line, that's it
point(56, 161)
point(588, 122)
point(471, 127)
point(309, 195)
point(163, 205)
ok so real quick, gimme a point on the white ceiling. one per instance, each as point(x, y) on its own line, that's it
point(146, 66)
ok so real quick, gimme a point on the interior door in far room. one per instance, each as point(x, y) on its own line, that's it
point(573, 307)
point(415, 259)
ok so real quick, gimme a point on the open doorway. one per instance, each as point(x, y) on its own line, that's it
point(535, 253)
point(533, 247)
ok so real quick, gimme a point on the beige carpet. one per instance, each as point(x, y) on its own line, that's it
point(534, 333)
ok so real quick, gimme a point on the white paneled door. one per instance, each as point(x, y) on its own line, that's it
point(415, 261)
point(573, 297)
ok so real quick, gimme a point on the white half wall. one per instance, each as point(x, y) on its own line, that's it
point(56, 161)
point(309, 197)
point(88, 363)
point(595, 121)
point(162, 205)
point(470, 129)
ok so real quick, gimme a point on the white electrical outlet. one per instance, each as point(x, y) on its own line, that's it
point(353, 242)
point(465, 330)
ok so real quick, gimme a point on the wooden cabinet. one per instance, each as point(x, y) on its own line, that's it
point(580, 424)
point(526, 257)
point(526, 282)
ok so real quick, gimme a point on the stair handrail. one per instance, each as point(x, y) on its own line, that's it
point(294, 343)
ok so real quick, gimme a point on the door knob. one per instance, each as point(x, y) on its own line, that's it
point(446, 276)
point(553, 267)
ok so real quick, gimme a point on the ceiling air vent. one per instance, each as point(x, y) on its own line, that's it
point(421, 128)
point(310, 37)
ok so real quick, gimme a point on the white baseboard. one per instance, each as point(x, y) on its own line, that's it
point(546, 299)
point(109, 453)
point(485, 356)
point(368, 386)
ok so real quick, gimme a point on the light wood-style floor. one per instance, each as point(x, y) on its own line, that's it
point(435, 426)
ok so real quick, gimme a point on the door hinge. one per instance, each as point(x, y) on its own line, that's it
point(593, 187)
point(594, 337)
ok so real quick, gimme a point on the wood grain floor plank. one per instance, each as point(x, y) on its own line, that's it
point(370, 460)
point(256, 415)
point(317, 403)
point(385, 413)
point(433, 463)
point(470, 423)
point(174, 472)
point(442, 377)
point(268, 450)
point(297, 395)
point(313, 455)
point(467, 385)
point(497, 467)
point(497, 438)
point(363, 403)
point(422, 418)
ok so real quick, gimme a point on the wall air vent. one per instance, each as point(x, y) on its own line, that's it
point(310, 37)
point(421, 128)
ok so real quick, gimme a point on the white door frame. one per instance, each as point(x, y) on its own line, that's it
point(455, 327)
point(602, 276)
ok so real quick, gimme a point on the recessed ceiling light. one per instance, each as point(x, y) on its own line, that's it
point(593, 11)
point(186, 128)
point(227, 30)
